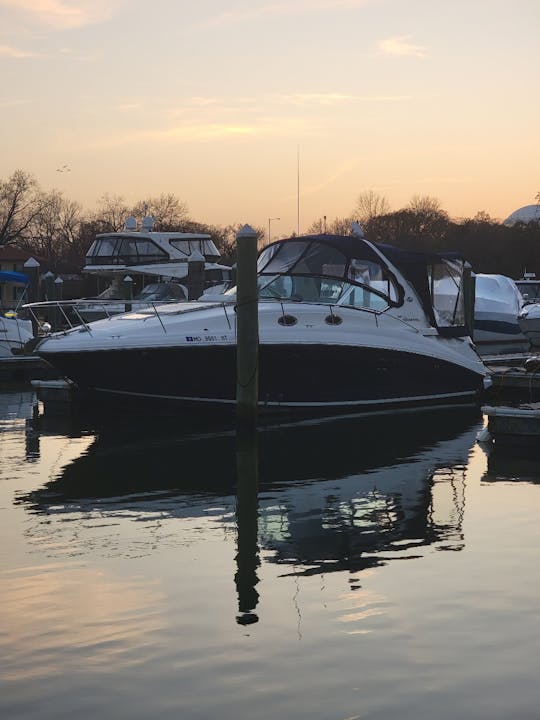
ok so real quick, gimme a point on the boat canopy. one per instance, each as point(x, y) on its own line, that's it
point(353, 260)
point(13, 277)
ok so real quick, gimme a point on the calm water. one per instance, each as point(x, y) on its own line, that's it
point(387, 569)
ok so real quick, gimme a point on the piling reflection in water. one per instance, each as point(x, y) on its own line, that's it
point(323, 496)
point(247, 514)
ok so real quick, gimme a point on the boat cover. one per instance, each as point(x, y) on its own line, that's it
point(14, 277)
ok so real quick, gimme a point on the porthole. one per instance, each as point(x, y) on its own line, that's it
point(333, 320)
point(287, 320)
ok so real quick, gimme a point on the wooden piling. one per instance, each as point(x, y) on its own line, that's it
point(195, 278)
point(469, 296)
point(128, 285)
point(247, 328)
point(31, 268)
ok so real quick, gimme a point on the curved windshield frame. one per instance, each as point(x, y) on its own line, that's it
point(317, 272)
point(321, 290)
point(124, 250)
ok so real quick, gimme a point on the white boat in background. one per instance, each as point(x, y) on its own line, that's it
point(14, 331)
point(149, 256)
point(113, 301)
point(144, 267)
point(498, 303)
point(344, 326)
point(145, 250)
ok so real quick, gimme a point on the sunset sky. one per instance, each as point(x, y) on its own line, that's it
point(214, 102)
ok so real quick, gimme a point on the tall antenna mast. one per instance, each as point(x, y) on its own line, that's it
point(298, 189)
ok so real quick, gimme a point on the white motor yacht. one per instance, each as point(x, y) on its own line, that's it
point(344, 325)
point(498, 303)
point(148, 257)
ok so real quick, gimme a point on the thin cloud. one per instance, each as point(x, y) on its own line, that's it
point(211, 132)
point(13, 52)
point(343, 168)
point(336, 98)
point(62, 14)
point(14, 103)
point(253, 104)
point(300, 7)
point(128, 107)
point(402, 46)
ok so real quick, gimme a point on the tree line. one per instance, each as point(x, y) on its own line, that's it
point(59, 231)
point(489, 245)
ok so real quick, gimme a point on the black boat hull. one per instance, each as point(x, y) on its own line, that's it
point(290, 376)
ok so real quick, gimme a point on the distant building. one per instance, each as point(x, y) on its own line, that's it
point(12, 259)
point(525, 214)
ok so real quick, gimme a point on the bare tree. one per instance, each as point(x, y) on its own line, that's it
point(370, 205)
point(111, 213)
point(425, 204)
point(169, 213)
point(21, 200)
point(55, 229)
point(338, 226)
point(482, 216)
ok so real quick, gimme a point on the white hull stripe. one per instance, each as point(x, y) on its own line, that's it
point(345, 403)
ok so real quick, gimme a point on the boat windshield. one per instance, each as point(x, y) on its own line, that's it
point(124, 250)
point(297, 288)
point(446, 285)
point(530, 291)
point(313, 271)
point(162, 291)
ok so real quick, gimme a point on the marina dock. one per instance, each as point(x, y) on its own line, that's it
point(24, 369)
point(514, 375)
point(516, 426)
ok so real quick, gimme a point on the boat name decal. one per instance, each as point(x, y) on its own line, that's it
point(207, 338)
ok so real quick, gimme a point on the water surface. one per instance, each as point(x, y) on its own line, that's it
point(387, 568)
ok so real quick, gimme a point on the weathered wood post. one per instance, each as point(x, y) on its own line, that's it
point(31, 268)
point(48, 286)
point(469, 296)
point(247, 395)
point(195, 276)
point(128, 284)
point(58, 293)
point(247, 328)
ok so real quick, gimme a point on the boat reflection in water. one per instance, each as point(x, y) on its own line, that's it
point(339, 495)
